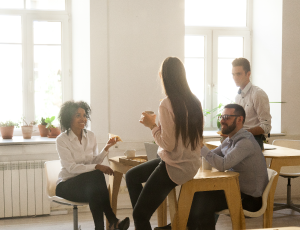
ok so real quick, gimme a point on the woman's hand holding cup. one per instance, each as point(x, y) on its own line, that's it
point(148, 119)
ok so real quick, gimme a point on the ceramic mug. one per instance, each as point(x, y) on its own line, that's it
point(130, 153)
point(149, 112)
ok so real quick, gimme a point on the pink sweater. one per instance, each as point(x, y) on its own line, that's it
point(182, 163)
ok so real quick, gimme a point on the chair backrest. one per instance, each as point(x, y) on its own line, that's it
point(293, 144)
point(52, 169)
point(271, 175)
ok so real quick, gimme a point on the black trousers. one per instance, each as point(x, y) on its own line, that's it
point(145, 200)
point(89, 187)
point(205, 204)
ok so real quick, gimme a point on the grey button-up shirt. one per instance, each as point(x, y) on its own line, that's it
point(241, 153)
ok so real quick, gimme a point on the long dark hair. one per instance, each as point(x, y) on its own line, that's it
point(186, 106)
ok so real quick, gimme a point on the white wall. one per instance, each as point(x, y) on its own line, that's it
point(267, 53)
point(141, 35)
point(81, 50)
point(128, 42)
point(291, 67)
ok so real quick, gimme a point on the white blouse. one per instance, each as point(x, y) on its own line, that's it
point(77, 158)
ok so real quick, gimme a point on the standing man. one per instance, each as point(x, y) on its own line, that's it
point(239, 152)
point(253, 99)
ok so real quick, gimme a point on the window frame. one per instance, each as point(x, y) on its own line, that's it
point(211, 35)
point(27, 19)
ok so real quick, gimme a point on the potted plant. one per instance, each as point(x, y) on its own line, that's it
point(27, 129)
point(42, 128)
point(7, 129)
point(53, 131)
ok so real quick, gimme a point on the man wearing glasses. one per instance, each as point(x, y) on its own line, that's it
point(239, 152)
point(253, 99)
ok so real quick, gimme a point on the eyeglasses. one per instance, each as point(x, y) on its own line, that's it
point(226, 116)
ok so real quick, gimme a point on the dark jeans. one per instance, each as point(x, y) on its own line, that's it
point(89, 187)
point(145, 200)
point(205, 204)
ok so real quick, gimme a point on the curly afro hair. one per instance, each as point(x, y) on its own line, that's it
point(67, 112)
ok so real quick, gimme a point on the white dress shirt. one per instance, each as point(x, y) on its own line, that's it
point(182, 163)
point(256, 104)
point(77, 158)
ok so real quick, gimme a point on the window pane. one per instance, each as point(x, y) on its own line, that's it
point(195, 76)
point(11, 29)
point(230, 47)
point(194, 46)
point(11, 82)
point(227, 89)
point(47, 32)
point(48, 88)
point(11, 4)
point(45, 4)
point(216, 13)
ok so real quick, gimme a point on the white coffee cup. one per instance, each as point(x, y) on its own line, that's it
point(130, 153)
point(205, 164)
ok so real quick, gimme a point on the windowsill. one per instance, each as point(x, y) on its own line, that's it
point(19, 140)
point(213, 134)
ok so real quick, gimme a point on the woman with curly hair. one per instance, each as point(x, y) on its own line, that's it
point(82, 175)
point(179, 136)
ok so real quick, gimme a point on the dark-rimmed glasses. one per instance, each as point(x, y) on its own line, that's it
point(226, 116)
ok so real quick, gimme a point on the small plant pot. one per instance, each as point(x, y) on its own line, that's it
point(43, 130)
point(54, 132)
point(7, 132)
point(27, 131)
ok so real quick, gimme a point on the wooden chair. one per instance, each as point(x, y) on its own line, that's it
point(271, 176)
point(52, 169)
point(288, 172)
point(207, 181)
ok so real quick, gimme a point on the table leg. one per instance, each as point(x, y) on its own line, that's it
point(113, 190)
point(234, 202)
point(184, 206)
point(173, 206)
point(162, 214)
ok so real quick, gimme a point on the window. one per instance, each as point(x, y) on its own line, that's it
point(216, 32)
point(34, 58)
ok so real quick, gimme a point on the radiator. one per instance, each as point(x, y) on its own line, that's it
point(23, 189)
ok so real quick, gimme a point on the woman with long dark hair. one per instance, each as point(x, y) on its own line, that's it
point(179, 136)
point(82, 175)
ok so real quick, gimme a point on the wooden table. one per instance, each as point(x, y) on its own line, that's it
point(209, 181)
point(114, 186)
point(282, 228)
point(280, 157)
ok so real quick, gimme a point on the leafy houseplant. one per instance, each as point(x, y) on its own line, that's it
point(42, 128)
point(217, 109)
point(7, 129)
point(54, 131)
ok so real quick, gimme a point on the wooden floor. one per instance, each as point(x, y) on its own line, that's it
point(64, 222)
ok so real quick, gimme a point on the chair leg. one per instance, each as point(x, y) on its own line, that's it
point(289, 204)
point(75, 217)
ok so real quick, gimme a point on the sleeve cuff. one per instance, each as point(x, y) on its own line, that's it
point(90, 167)
point(154, 130)
point(204, 151)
